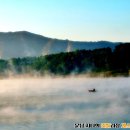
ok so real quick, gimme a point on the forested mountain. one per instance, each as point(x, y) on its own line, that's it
point(23, 44)
point(95, 61)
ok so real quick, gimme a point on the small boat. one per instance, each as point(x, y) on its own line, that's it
point(92, 90)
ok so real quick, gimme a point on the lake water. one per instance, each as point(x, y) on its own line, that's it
point(59, 103)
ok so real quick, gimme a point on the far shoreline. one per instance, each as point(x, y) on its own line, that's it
point(72, 75)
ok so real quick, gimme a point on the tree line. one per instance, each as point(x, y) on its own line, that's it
point(105, 60)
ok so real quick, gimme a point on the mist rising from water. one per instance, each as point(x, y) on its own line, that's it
point(58, 103)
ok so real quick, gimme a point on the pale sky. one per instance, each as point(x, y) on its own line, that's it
point(83, 20)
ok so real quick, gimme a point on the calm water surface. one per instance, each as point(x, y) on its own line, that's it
point(59, 103)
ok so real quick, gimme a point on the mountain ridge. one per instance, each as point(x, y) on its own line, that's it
point(25, 44)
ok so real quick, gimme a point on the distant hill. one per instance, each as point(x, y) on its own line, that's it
point(24, 44)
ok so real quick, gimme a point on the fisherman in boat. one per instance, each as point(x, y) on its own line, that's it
point(92, 90)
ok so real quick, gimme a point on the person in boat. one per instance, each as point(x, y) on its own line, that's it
point(92, 90)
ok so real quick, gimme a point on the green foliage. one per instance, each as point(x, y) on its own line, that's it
point(3, 65)
point(79, 61)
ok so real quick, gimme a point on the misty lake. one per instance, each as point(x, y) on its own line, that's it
point(59, 103)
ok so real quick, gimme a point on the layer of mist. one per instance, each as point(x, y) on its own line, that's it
point(59, 103)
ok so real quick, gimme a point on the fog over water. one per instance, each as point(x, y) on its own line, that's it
point(59, 103)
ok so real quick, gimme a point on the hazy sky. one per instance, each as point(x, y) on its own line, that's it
point(84, 20)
